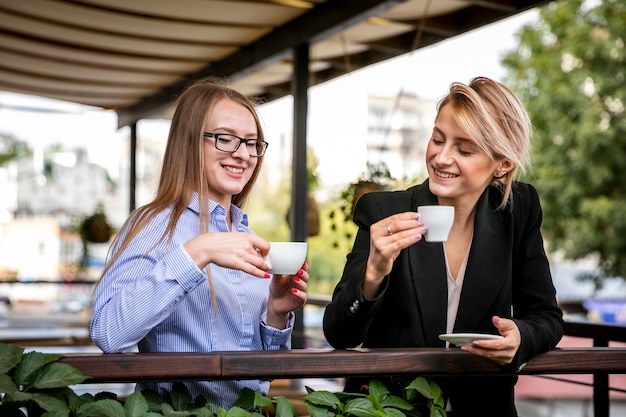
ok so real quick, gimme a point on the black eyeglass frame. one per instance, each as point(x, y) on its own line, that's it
point(216, 136)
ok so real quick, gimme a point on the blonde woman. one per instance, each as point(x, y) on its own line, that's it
point(186, 274)
point(490, 276)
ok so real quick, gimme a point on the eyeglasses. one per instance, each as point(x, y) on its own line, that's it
point(226, 142)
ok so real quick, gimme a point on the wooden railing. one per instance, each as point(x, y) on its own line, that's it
point(599, 361)
point(312, 363)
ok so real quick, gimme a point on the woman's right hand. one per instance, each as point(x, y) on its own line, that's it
point(235, 250)
point(387, 238)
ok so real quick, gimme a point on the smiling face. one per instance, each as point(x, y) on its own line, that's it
point(228, 173)
point(459, 171)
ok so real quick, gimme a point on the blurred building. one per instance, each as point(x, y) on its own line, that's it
point(398, 130)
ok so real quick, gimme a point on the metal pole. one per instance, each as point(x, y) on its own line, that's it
point(132, 177)
point(299, 182)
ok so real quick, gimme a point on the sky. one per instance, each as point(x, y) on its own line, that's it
point(336, 108)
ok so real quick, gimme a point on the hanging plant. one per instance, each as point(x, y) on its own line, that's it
point(377, 178)
point(312, 216)
point(96, 228)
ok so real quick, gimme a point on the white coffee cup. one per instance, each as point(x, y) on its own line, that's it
point(286, 258)
point(439, 221)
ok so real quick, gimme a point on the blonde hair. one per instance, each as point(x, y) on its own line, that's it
point(182, 172)
point(492, 115)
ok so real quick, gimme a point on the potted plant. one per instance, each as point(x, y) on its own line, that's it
point(94, 228)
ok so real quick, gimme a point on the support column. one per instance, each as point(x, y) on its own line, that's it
point(300, 180)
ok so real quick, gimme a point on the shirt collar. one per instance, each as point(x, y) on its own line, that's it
point(237, 215)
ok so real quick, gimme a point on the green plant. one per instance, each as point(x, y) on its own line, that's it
point(424, 397)
point(36, 384)
point(94, 228)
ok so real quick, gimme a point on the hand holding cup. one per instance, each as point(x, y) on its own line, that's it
point(286, 258)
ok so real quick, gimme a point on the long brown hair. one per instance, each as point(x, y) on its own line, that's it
point(182, 172)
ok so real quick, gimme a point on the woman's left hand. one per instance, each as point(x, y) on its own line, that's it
point(501, 351)
point(286, 293)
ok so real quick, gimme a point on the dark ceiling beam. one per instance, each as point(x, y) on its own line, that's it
point(505, 6)
point(321, 22)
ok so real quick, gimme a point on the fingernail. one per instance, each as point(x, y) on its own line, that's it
point(463, 347)
point(304, 264)
point(476, 343)
point(267, 275)
point(293, 290)
point(296, 279)
point(301, 272)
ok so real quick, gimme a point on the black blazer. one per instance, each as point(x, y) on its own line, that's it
point(507, 275)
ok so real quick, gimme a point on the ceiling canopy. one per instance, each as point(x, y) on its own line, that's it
point(135, 56)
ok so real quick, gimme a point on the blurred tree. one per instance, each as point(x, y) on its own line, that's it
point(12, 148)
point(569, 69)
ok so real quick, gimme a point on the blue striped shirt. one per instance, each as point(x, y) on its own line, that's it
point(159, 300)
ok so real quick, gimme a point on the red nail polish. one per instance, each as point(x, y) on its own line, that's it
point(267, 275)
point(296, 279)
point(293, 290)
point(301, 272)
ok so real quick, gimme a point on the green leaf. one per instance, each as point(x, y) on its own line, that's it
point(50, 401)
point(396, 402)
point(181, 398)
point(437, 394)
point(203, 412)
point(237, 412)
point(6, 384)
point(10, 356)
point(75, 402)
point(56, 413)
point(284, 407)
point(438, 412)
point(315, 411)
point(246, 398)
point(136, 405)
point(261, 400)
point(103, 408)
point(17, 396)
point(56, 375)
point(378, 389)
point(153, 399)
point(394, 412)
point(322, 398)
point(422, 386)
point(363, 407)
point(31, 363)
point(168, 410)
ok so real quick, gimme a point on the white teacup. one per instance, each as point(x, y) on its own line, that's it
point(439, 221)
point(286, 258)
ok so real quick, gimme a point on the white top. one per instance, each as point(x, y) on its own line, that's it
point(454, 289)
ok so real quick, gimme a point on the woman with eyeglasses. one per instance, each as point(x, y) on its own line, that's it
point(186, 273)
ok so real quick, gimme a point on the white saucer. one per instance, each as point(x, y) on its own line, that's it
point(460, 339)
